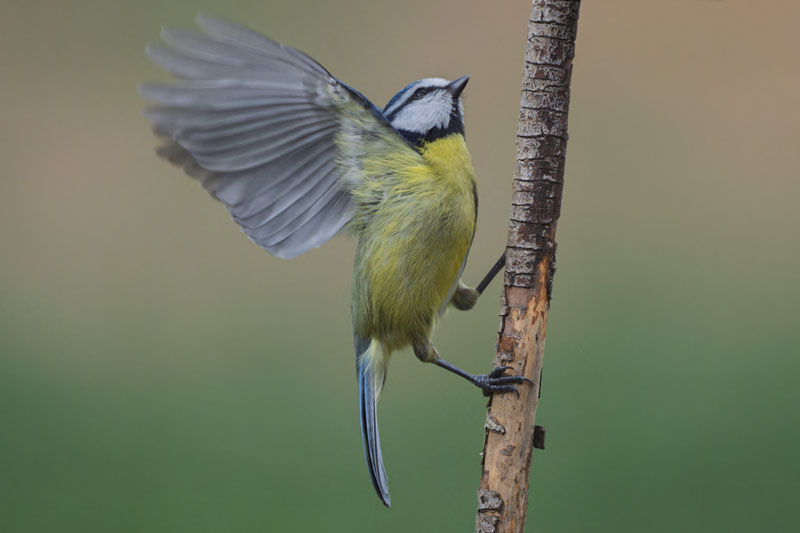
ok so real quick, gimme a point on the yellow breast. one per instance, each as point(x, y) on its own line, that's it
point(410, 253)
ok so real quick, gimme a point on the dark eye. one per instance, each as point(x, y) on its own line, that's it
point(419, 93)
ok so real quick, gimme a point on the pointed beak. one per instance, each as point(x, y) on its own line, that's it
point(456, 86)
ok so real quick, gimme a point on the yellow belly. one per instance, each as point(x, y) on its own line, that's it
point(409, 257)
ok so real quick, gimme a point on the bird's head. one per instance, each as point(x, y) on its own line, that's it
point(428, 109)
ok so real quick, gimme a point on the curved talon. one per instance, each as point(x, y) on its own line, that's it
point(500, 388)
point(489, 383)
point(495, 381)
point(497, 372)
point(511, 379)
point(508, 388)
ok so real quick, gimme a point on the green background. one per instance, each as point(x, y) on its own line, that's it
point(159, 373)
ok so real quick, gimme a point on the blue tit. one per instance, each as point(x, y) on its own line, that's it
point(297, 156)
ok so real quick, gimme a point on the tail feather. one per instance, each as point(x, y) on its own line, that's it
point(370, 381)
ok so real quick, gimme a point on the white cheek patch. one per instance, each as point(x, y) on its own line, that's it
point(421, 116)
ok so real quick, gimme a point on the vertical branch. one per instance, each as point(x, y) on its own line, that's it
point(530, 262)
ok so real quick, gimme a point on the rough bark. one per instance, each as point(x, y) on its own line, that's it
point(530, 263)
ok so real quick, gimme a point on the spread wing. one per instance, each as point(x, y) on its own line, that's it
point(268, 132)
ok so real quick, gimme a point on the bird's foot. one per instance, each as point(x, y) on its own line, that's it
point(495, 381)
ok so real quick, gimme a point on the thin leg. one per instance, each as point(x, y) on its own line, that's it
point(488, 383)
point(465, 298)
point(487, 279)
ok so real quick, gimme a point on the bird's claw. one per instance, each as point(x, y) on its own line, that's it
point(495, 381)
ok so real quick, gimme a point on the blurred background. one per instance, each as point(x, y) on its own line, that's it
point(160, 373)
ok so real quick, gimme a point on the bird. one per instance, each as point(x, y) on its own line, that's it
point(297, 156)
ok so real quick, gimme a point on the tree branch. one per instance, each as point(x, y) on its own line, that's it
point(530, 263)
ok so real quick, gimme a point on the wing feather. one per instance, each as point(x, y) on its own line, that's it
point(287, 221)
point(292, 197)
point(206, 121)
point(247, 39)
point(296, 171)
point(267, 131)
point(210, 98)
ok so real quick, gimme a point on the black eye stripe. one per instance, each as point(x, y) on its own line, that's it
point(418, 94)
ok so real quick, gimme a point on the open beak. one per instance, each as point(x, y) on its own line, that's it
point(456, 86)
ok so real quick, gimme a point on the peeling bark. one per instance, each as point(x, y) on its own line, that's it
point(530, 263)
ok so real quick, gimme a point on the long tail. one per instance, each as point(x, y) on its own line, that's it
point(371, 374)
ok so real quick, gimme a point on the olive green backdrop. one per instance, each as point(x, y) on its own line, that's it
point(159, 373)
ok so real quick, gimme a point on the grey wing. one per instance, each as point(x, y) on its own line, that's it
point(256, 123)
